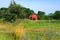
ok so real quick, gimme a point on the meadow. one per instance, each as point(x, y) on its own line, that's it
point(30, 30)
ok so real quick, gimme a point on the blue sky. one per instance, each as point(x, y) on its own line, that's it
point(48, 6)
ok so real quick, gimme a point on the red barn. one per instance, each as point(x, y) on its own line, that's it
point(33, 17)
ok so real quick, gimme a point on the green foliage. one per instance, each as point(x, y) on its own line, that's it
point(14, 12)
point(9, 17)
point(56, 15)
point(28, 12)
point(41, 15)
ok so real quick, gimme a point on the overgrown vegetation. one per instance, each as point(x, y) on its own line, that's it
point(32, 30)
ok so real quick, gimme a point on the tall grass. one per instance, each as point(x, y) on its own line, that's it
point(32, 30)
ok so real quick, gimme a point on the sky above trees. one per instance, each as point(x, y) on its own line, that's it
point(48, 6)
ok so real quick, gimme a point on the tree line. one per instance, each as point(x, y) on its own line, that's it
point(17, 11)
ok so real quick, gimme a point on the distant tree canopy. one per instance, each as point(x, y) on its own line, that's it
point(20, 11)
point(41, 15)
point(56, 15)
point(16, 11)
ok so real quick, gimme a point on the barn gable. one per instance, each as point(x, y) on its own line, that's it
point(33, 17)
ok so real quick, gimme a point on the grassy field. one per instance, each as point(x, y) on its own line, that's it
point(31, 30)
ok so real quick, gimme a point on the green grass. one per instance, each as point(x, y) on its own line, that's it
point(43, 36)
point(51, 30)
point(5, 36)
point(40, 24)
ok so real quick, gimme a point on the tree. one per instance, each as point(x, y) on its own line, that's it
point(9, 17)
point(56, 15)
point(28, 12)
point(15, 8)
point(3, 10)
point(50, 16)
point(20, 11)
point(41, 15)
